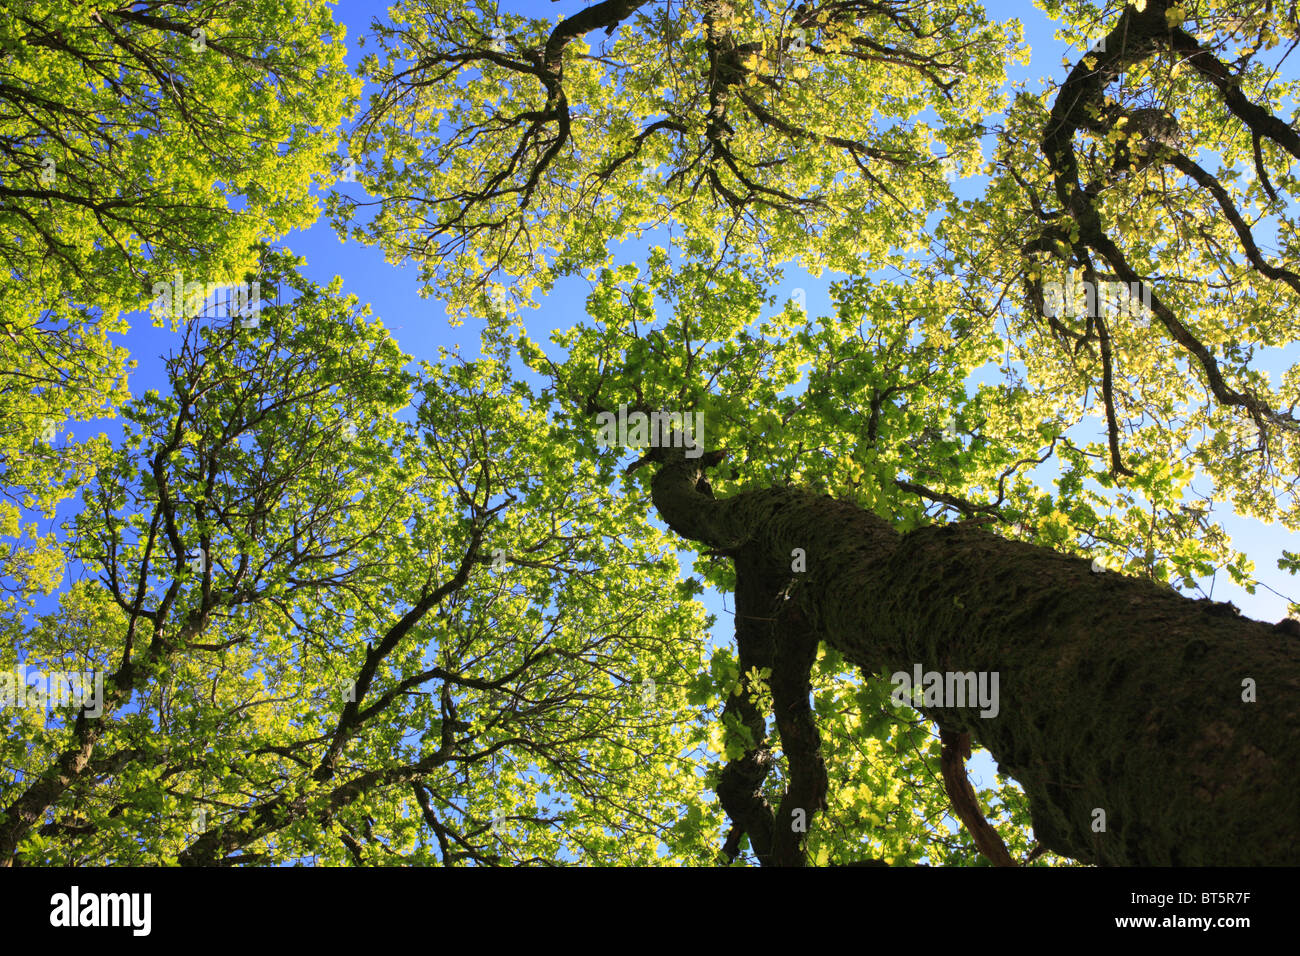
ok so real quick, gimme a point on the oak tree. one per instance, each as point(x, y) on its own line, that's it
point(365, 612)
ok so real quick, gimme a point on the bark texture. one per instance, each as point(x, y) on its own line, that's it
point(1116, 694)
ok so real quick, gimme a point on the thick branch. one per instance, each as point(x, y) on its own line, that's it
point(956, 750)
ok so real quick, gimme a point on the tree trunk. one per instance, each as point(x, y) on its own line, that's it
point(1116, 694)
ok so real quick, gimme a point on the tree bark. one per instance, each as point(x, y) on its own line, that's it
point(1116, 694)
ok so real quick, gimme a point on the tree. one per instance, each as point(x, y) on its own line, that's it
point(862, 480)
point(327, 630)
point(888, 590)
point(136, 144)
point(740, 123)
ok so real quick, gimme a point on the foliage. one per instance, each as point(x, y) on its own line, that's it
point(359, 610)
point(135, 143)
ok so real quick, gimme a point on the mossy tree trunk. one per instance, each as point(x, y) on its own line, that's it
point(1116, 693)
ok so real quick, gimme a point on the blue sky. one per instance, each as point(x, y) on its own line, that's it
point(420, 324)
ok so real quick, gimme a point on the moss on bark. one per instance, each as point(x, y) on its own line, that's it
point(1116, 694)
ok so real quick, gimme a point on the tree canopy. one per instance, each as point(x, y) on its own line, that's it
point(353, 606)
